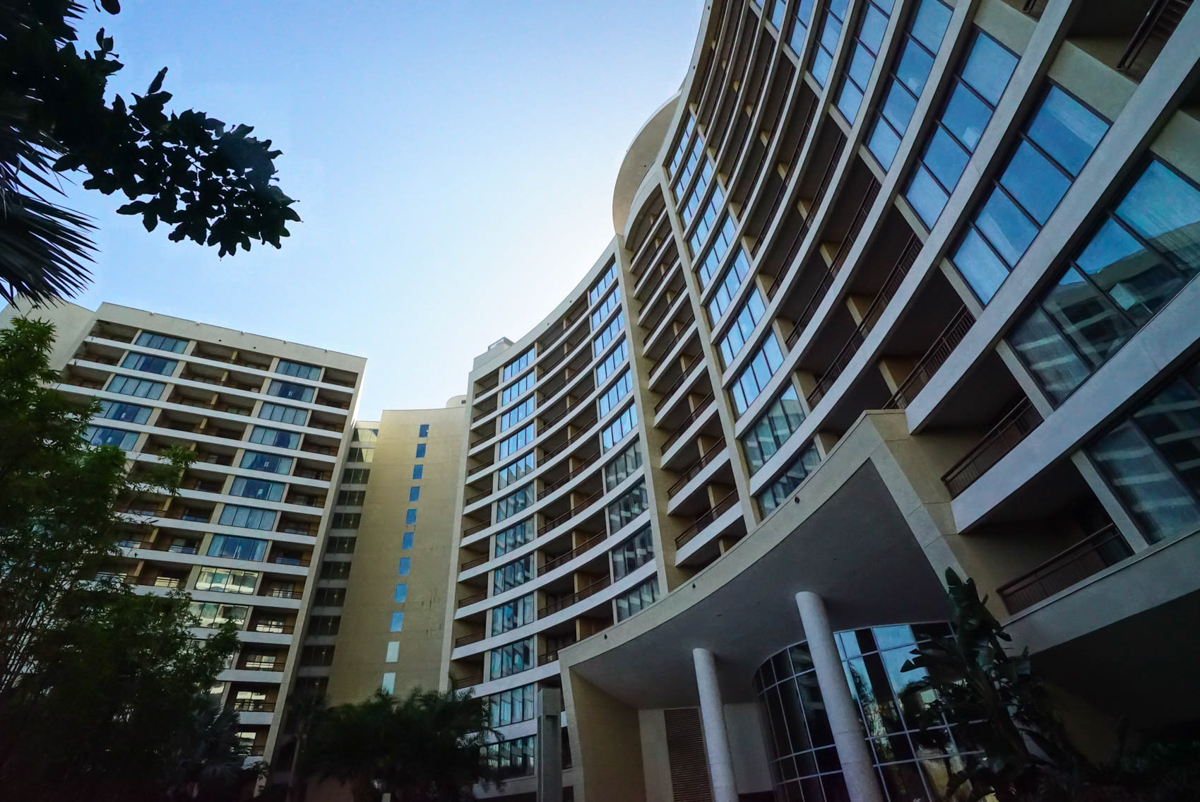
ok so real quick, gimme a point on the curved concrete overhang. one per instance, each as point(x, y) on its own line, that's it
point(860, 533)
point(643, 152)
point(651, 184)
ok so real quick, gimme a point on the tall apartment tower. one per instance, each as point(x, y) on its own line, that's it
point(897, 287)
point(269, 424)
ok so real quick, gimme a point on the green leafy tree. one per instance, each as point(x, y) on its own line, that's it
point(99, 686)
point(211, 183)
point(426, 747)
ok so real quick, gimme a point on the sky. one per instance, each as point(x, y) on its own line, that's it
point(454, 164)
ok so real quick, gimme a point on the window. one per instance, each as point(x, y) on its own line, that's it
point(516, 414)
point(511, 659)
point(772, 429)
point(777, 492)
point(921, 43)
point(406, 541)
point(754, 377)
point(226, 580)
point(358, 454)
point(324, 625)
point(743, 326)
point(259, 489)
point(269, 463)
point(513, 537)
point(614, 394)
point(689, 125)
point(161, 342)
point(414, 494)
point(976, 90)
point(871, 27)
point(292, 392)
point(104, 436)
point(237, 548)
point(633, 553)
point(689, 165)
point(1140, 256)
point(622, 467)
point(608, 334)
point(340, 545)
point(388, 683)
point(518, 365)
point(299, 370)
point(405, 566)
point(716, 252)
point(515, 470)
point(517, 572)
point(778, 9)
point(706, 220)
point(393, 652)
point(615, 432)
point(513, 758)
point(629, 506)
point(800, 22)
point(248, 517)
point(149, 364)
point(513, 614)
point(423, 430)
point(138, 388)
point(418, 471)
point(351, 498)
point(511, 504)
point(401, 594)
point(831, 31)
point(397, 621)
point(512, 706)
point(688, 209)
point(214, 615)
point(274, 437)
point(517, 388)
point(283, 414)
point(316, 656)
point(366, 436)
point(329, 597)
point(606, 306)
point(637, 599)
point(519, 440)
point(420, 450)
point(126, 413)
point(610, 363)
point(356, 476)
point(410, 517)
point(1052, 149)
point(345, 520)
point(603, 283)
point(738, 269)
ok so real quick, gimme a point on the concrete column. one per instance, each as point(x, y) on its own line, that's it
point(857, 766)
point(716, 739)
point(549, 745)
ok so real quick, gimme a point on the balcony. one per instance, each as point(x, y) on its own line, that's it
point(1101, 549)
point(252, 706)
point(457, 683)
point(566, 516)
point(695, 468)
point(933, 359)
point(723, 506)
point(566, 557)
point(702, 407)
point(1013, 427)
point(564, 602)
point(475, 598)
point(467, 640)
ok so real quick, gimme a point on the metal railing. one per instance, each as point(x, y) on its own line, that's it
point(702, 406)
point(566, 516)
point(1097, 551)
point(474, 530)
point(550, 487)
point(933, 359)
point(675, 385)
point(818, 196)
point(574, 598)
point(465, 682)
point(1159, 23)
point(695, 468)
point(475, 598)
point(566, 557)
point(473, 563)
point(856, 224)
point(467, 640)
point(1013, 427)
point(723, 506)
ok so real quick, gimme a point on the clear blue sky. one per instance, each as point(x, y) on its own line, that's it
point(454, 163)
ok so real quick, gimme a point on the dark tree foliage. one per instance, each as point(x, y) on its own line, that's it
point(211, 183)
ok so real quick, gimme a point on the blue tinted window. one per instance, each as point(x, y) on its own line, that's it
point(260, 489)
point(293, 392)
point(405, 565)
point(410, 517)
point(161, 342)
point(988, 68)
point(418, 471)
point(420, 450)
point(406, 541)
point(129, 413)
point(423, 430)
point(299, 370)
point(397, 623)
point(237, 548)
point(414, 494)
point(149, 364)
point(401, 594)
point(255, 461)
point(103, 436)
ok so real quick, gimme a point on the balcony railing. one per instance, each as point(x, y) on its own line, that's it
point(1159, 23)
point(473, 563)
point(723, 506)
point(474, 598)
point(466, 682)
point(566, 516)
point(467, 640)
point(574, 598)
point(474, 530)
point(933, 359)
point(550, 487)
point(575, 438)
point(550, 655)
point(802, 231)
point(1089, 556)
point(1013, 427)
point(252, 706)
point(675, 385)
point(283, 593)
point(709, 456)
point(856, 224)
point(701, 408)
point(566, 557)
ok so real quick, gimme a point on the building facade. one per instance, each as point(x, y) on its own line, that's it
point(269, 423)
point(897, 286)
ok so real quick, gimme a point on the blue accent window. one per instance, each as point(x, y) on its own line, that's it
point(299, 370)
point(516, 414)
point(690, 161)
point(716, 253)
point(801, 19)
point(831, 31)
point(274, 437)
point(414, 494)
point(616, 431)
point(126, 413)
point(410, 517)
point(248, 517)
point(138, 388)
point(423, 430)
point(290, 391)
point(271, 463)
point(754, 377)
point(687, 211)
point(420, 450)
point(397, 622)
point(976, 90)
point(406, 541)
point(517, 572)
point(608, 334)
point(237, 548)
point(518, 365)
point(605, 281)
point(517, 441)
point(405, 566)
point(689, 125)
point(743, 326)
point(418, 471)
point(602, 311)
point(736, 273)
point(104, 436)
point(260, 489)
point(283, 414)
point(513, 503)
point(610, 363)
point(515, 470)
point(921, 43)
point(707, 219)
point(149, 364)
point(871, 27)
point(161, 342)
point(401, 594)
point(516, 389)
point(613, 395)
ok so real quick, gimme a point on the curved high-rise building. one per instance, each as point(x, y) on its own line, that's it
point(896, 287)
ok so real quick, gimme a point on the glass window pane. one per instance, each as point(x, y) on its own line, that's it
point(988, 68)
point(1066, 130)
point(1172, 421)
point(979, 266)
point(945, 158)
point(849, 100)
point(1036, 183)
point(1051, 360)
point(861, 65)
point(926, 197)
point(914, 66)
point(1085, 317)
point(1005, 226)
point(898, 106)
point(930, 24)
point(966, 116)
point(874, 25)
point(1165, 210)
point(884, 143)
